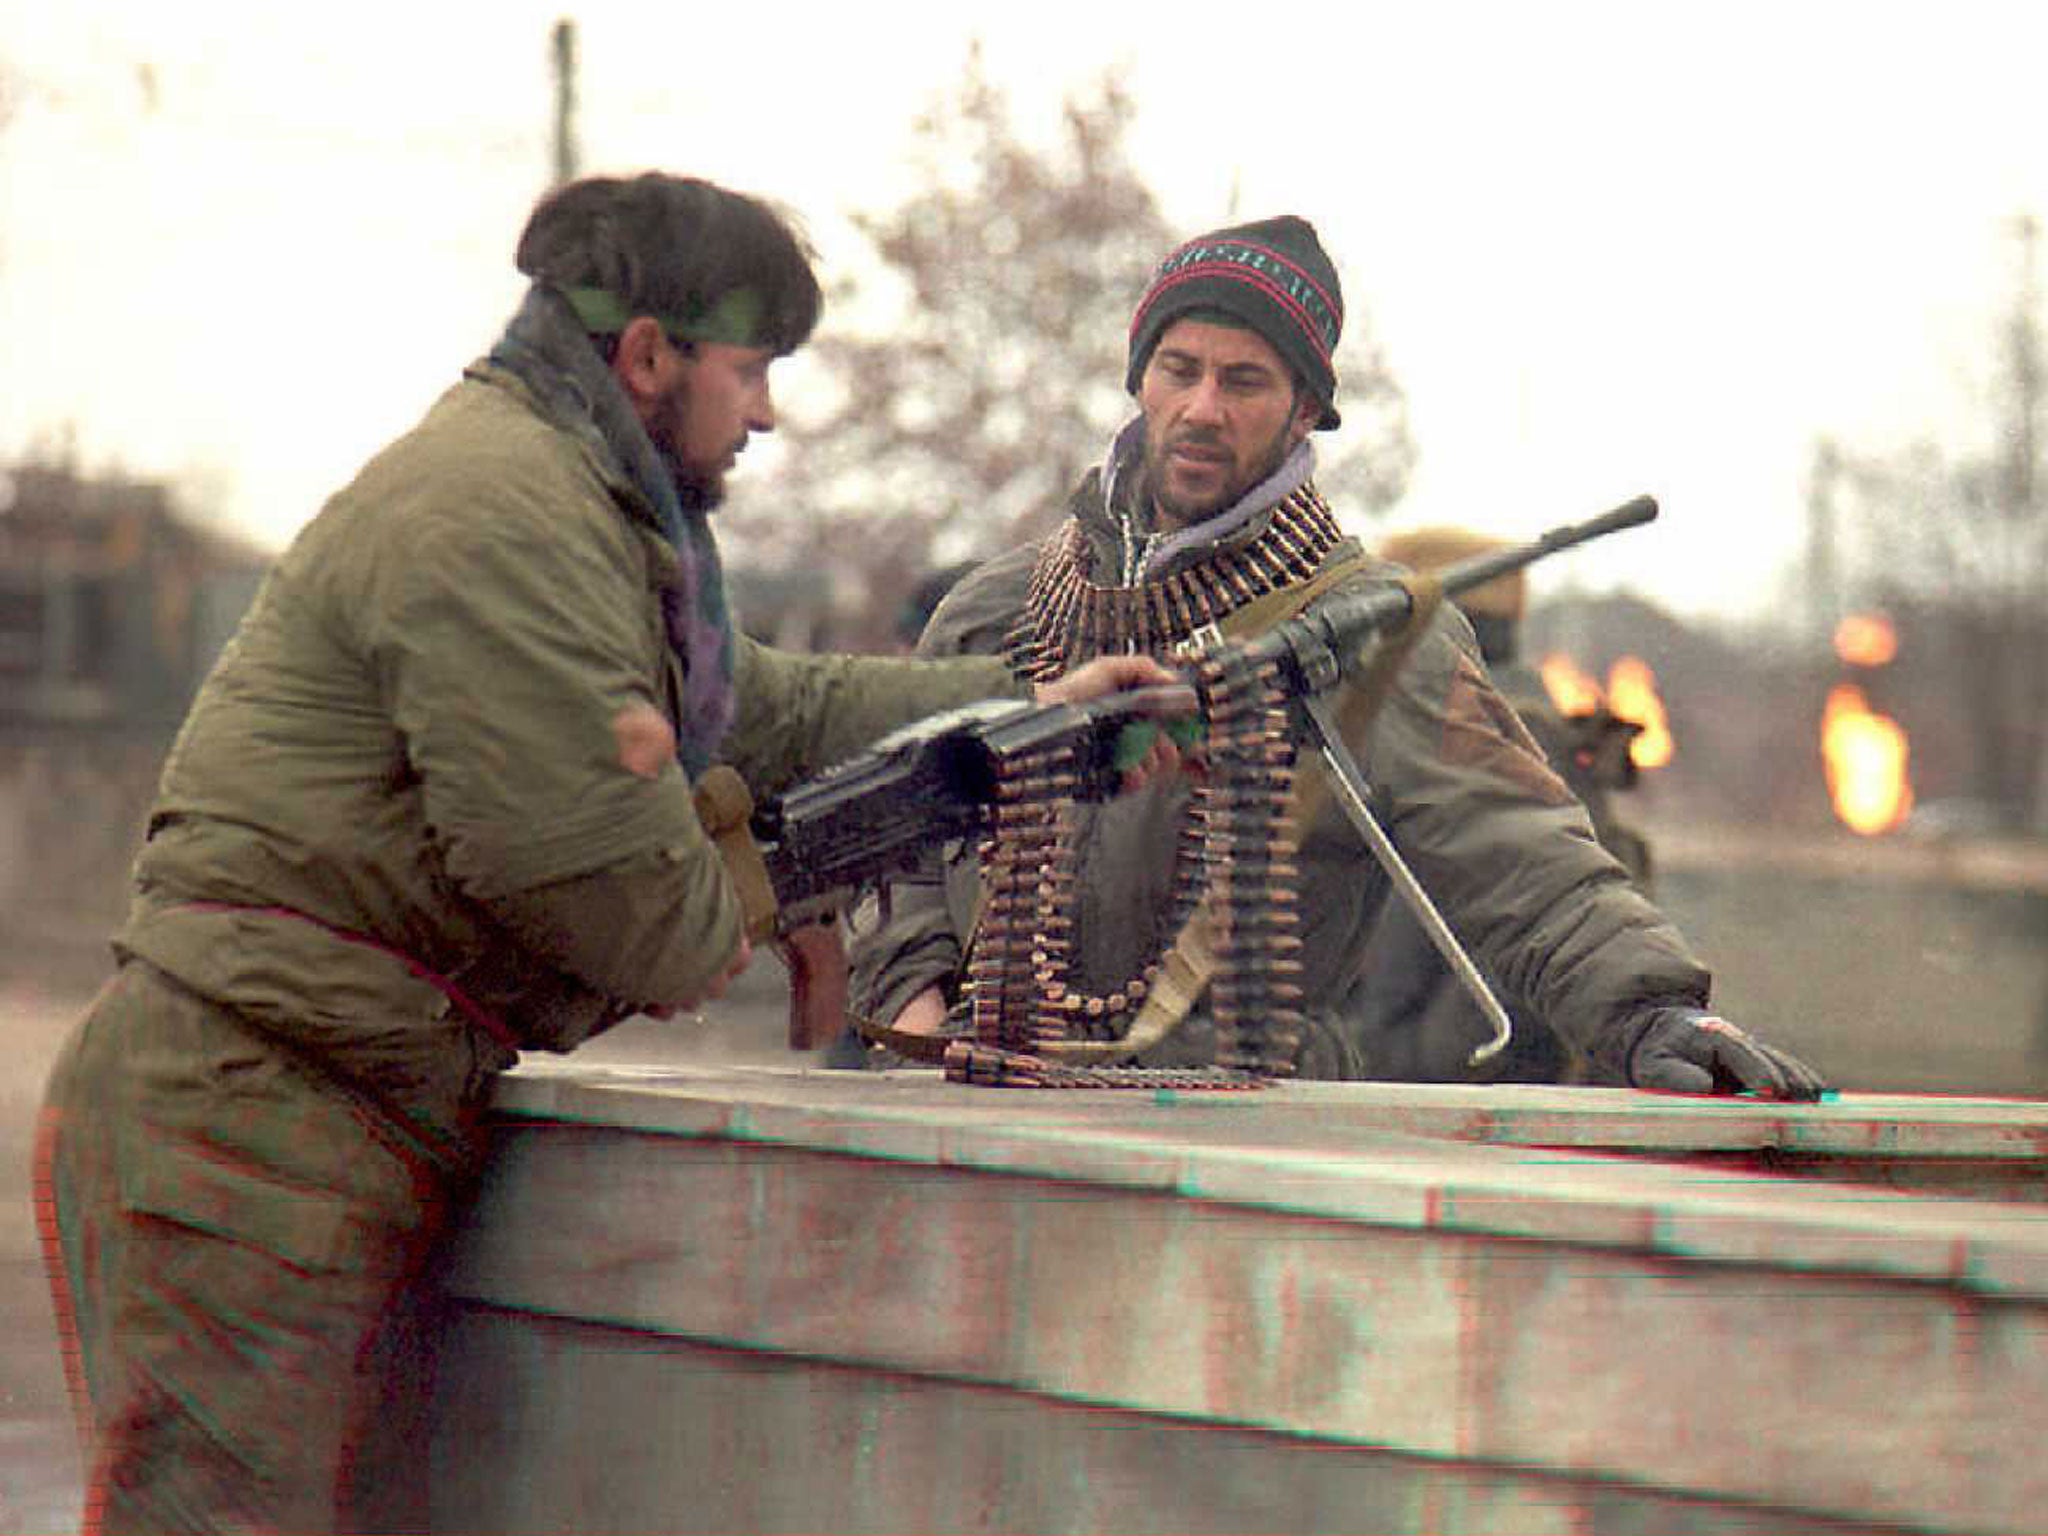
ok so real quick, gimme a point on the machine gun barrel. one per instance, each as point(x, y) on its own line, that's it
point(1338, 624)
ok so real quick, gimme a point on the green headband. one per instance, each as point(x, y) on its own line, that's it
point(735, 320)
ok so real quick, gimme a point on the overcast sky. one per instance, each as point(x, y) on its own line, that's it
point(1607, 248)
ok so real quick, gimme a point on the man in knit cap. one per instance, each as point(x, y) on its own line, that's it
point(1203, 518)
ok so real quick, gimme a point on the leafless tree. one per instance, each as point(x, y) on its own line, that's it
point(1954, 542)
point(966, 386)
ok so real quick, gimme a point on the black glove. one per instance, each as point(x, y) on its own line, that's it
point(1688, 1050)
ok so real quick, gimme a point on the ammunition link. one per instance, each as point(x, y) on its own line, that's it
point(1020, 996)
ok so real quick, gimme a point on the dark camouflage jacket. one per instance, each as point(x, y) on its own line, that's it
point(1467, 796)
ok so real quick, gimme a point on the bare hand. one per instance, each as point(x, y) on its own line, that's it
point(1105, 674)
point(716, 989)
point(1162, 758)
point(924, 1014)
point(741, 959)
point(1112, 674)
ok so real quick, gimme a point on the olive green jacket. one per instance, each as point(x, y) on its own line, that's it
point(1492, 832)
point(1409, 1017)
point(426, 751)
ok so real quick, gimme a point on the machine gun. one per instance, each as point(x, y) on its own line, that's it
point(935, 782)
point(799, 860)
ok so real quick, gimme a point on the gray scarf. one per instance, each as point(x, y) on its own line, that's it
point(547, 349)
point(1148, 551)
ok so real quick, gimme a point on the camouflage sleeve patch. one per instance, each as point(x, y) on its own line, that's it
point(1482, 731)
point(645, 739)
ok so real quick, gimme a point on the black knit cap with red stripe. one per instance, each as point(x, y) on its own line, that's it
point(1271, 277)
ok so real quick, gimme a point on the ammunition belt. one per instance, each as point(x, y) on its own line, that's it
point(1068, 618)
point(1020, 1003)
point(967, 1062)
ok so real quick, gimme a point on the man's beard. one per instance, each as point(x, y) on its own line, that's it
point(1187, 514)
point(697, 491)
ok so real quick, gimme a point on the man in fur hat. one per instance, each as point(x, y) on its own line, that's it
point(433, 807)
point(1203, 509)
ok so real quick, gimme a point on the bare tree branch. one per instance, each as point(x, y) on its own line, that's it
point(956, 424)
point(1955, 544)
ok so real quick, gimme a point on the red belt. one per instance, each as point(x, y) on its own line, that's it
point(472, 1011)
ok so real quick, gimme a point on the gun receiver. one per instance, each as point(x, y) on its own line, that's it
point(932, 782)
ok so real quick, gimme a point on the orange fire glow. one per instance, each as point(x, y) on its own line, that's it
point(1865, 754)
point(1866, 640)
point(1631, 692)
point(1570, 690)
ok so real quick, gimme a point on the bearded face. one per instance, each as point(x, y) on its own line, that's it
point(702, 416)
point(700, 486)
point(1221, 413)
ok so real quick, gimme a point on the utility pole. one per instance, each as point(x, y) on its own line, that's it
point(1823, 566)
point(566, 155)
point(2024, 339)
point(2027, 526)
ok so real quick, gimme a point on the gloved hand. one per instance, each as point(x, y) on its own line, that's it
point(1688, 1050)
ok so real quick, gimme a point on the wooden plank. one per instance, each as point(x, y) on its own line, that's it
point(1282, 1264)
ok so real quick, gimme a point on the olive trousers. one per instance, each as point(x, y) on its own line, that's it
point(239, 1249)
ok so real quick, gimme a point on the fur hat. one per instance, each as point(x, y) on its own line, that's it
point(1429, 549)
point(1273, 278)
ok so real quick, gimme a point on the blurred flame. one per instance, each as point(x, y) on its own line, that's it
point(1865, 754)
point(1866, 640)
point(1570, 690)
point(1632, 691)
